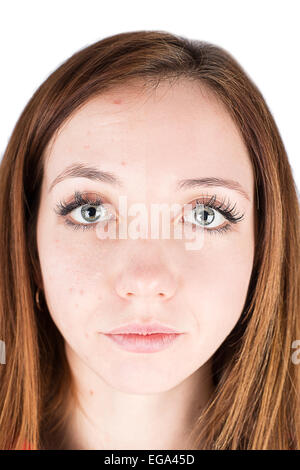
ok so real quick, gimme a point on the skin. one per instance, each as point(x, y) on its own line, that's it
point(149, 139)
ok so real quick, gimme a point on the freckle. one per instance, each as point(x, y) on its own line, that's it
point(117, 101)
point(123, 163)
point(91, 392)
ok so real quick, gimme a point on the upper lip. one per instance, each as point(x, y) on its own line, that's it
point(143, 329)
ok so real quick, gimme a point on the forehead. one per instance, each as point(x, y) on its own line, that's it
point(171, 131)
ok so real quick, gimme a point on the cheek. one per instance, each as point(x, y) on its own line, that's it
point(72, 271)
point(218, 289)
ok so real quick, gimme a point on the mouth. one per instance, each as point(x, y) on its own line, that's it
point(144, 329)
point(143, 342)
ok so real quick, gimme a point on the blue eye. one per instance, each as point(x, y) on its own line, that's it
point(205, 215)
point(210, 215)
point(91, 210)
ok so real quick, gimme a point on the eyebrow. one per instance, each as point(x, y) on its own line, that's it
point(81, 170)
point(211, 181)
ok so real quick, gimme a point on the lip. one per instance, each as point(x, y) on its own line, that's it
point(139, 343)
point(143, 338)
point(143, 329)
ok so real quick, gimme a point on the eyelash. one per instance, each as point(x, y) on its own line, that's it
point(80, 199)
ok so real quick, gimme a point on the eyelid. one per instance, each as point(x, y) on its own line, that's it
point(226, 210)
point(81, 198)
point(66, 206)
point(202, 199)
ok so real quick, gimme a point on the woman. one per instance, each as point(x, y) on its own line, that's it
point(132, 341)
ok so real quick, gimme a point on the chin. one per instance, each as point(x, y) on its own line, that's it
point(142, 383)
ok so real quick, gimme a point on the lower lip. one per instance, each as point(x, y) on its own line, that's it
point(144, 343)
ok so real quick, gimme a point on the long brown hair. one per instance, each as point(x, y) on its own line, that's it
point(256, 403)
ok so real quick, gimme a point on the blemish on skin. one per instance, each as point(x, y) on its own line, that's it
point(71, 289)
point(91, 392)
point(87, 146)
point(118, 101)
point(81, 291)
point(123, 163)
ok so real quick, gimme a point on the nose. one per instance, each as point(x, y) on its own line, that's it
point(151, 282)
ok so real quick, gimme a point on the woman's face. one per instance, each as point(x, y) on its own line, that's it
point(149, 141)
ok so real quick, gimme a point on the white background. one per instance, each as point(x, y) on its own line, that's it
point(36, 36)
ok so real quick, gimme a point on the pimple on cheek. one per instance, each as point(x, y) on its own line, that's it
point(117, 101)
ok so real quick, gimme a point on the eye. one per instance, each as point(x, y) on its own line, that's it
point(212, 216)
point(84, 208)
point(205, 216)
point(90, 213)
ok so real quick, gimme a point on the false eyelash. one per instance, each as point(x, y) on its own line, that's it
point(228, 212)
point(62, 209)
